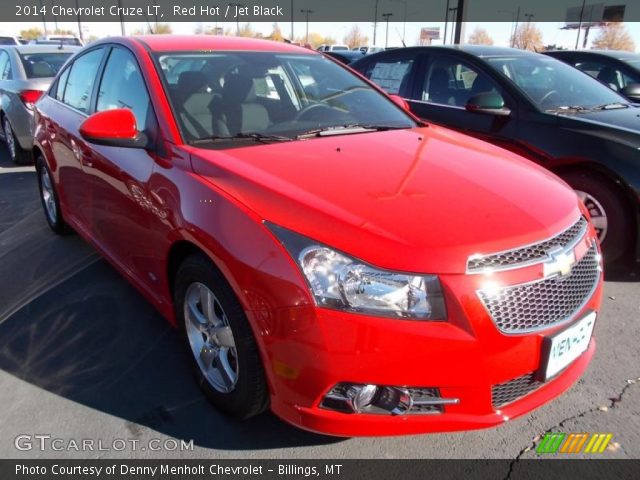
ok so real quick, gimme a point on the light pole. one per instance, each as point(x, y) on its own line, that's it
point(292, 38)
point(454, 10)
point(375, 22)
point(307, 12)
point(79, 24)
point(404, 18)
point(44, 21)
point(386, 38)
point(580, 23)
point(446, 23)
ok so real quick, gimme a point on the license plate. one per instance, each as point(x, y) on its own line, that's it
point(565, 347)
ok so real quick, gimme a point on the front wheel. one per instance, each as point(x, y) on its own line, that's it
point(609, 213)
point(16, 152)
point(219, 340)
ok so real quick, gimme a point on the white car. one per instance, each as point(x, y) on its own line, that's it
point(333, 48)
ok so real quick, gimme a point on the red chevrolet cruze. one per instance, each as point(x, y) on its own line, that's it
point(323, 253)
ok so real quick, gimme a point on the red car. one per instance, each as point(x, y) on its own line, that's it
point(323, 253)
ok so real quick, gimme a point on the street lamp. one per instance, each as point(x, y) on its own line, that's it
point(454, 10)
point(237, 5)
point(386, 38)
point(404, 18)
point(307, 12)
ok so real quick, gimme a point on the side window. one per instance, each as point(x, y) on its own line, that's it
point(80, 80)
point(602, 72)
point(4, 59)
point(122, 86)
point(5, 66)
point(452, 82)
point(391, 74)
point(58, 92)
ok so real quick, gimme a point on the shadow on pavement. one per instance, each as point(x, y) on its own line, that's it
point(94, 340)
point(624, 270)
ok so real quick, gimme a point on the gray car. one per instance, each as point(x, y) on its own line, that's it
point(25, 72)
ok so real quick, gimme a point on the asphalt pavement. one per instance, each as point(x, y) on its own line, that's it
point(84, 356)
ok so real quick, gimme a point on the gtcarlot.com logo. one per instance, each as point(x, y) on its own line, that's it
point(574, 442)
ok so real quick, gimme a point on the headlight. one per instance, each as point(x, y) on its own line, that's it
point(341, 282)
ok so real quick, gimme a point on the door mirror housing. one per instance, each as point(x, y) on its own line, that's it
point(489, 103)
point(632, 91)
point(113, 128)
point(401, 102)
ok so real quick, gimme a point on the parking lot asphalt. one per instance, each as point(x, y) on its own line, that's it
point(84, 356)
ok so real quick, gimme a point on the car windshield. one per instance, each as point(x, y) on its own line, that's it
point(43, 65)
point(554, 85)
point(220, 96)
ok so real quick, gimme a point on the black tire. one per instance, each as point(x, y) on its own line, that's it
point(56, 223)
point(620, 232)
point(18, 155)
point(249, 396)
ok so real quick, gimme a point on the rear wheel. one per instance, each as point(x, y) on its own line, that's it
point(609, 213)
point(49, 198)
point(17, 154)
point(219, 340)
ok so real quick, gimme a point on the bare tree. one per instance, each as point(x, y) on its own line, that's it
point(614, 37)
point(480, 37)
point(528, 37)
point(276, 33)
point(355, 37)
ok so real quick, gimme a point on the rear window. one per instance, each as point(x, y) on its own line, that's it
point(7, 41)
point(43, 65)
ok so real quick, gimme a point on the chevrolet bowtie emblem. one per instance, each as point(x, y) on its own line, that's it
point(559, 263)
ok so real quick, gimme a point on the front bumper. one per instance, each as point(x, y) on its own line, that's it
point(309, 350)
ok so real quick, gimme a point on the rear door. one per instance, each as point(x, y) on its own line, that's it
point(69, 106)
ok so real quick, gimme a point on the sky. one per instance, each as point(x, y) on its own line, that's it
point(499, 31)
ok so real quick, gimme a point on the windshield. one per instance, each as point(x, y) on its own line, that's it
point(43, 65)
point(552, 84)
point(227, 94)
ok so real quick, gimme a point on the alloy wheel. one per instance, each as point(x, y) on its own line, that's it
point(48, 196)
point(597, 212)
point(210, 337)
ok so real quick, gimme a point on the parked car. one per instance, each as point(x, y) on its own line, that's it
point(12, 41)
point(346, 57)
point(619, 71)
point(58, 40)
point(333, 48)
point(321, 251)
point(368, 49)
point(535, 106)
point(25, 73)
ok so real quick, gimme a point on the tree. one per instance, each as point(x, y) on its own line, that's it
point(614, 37)
point(31, 33)
point(315, 40)
point(528, 37)
point(162, 28)
point(276, 34)
point(63, 31)
point(480, 37)
point(246, 31)
point(355, 38)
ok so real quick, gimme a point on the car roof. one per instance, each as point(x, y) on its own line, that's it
point(190, 43)
point(24, 49)
point(481, 51)
point(617, 54)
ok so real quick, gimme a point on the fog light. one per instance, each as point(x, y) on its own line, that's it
point(361, 396)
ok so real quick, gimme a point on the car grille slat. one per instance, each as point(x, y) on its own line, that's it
point(513, 390)
point(527, 255)
point(544, 303)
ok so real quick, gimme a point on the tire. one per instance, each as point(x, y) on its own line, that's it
point(49, 198)
point(17, 154)
point(223, 339)
point(611, 215)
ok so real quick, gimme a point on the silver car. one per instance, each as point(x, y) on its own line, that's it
point(25, 73)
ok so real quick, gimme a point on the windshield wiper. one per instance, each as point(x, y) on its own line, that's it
point(258, 137)
point(349, 128)
point(611, 106)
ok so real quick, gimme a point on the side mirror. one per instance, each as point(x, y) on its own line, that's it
point(113, 128)
point(489, 103)
point(401, 102)
point(632, 91)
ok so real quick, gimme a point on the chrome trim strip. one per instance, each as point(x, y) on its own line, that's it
point(578, 238)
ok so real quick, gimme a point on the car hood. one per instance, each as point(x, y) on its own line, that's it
point(420, 200)
point(625, 122)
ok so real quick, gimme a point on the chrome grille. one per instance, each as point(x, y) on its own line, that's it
point(527, 255)
point(512, 390)
point(544, 303)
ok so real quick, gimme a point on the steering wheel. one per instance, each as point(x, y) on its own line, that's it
point(548, 95)
point(310, 108)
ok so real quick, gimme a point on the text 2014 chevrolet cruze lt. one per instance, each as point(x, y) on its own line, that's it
point(323, 253)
